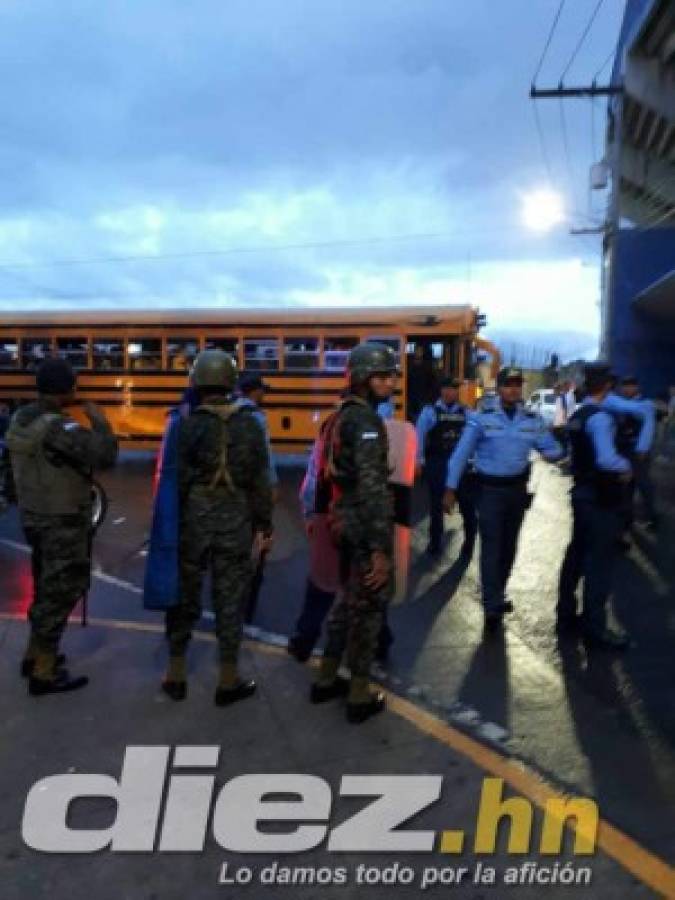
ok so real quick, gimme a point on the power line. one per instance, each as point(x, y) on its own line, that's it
point(582, 39)
point(228, 251)
point(566, 146)
point(554, 25)
point(611, 55)
point(542, 143)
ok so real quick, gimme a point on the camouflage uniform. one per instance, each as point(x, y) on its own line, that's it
point(53, 458)
point(363, 523)
point(218, 520)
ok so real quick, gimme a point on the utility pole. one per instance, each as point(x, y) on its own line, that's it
point(584, 92)
point(608, 229)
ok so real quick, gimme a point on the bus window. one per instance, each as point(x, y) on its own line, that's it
point(75, 350)
point(228, 344)
point(261, 353)
point(33, 351)
point(145, 354)
point(301, 353)
point(336, 351)
point(108, 354)
point(9, 354)
point(181, 353)
point(393, 342)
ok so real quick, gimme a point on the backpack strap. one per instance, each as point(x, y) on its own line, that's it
point(223, 412)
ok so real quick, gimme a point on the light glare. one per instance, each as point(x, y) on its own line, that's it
point(543, 210)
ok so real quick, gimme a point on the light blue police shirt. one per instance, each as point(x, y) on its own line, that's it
point(501, 445)
point(644, 410)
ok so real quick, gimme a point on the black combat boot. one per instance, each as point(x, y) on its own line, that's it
point(28, 664)
point(360, 712)
point(61, 683)
point(175, 681)
point(224, 696)
point(321, 693)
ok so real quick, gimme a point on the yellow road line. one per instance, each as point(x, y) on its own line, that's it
point(650, 869)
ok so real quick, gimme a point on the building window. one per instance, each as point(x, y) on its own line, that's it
point(336, 352)
point(108, 354)
point(301, 353)
point(145, 354)
point(261, 353)
point(75, 350)
point(181, 353)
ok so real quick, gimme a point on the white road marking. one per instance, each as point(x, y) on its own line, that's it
point(96, 572)
point(455, 712)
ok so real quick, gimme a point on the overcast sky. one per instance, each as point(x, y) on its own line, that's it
point(143, 128)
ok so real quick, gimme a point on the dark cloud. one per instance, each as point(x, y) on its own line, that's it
point(161, 127)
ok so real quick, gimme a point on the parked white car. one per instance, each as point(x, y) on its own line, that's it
point(542, 402)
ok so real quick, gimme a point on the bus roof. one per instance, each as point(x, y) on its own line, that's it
point(421, 316)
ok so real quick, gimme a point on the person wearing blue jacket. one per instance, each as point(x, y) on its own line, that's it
point(600, 475)
point(251, 389)
point(500, 440)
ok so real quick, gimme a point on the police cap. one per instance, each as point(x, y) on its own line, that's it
point(371, 359)
point(509, 373)
point(598, 370)
point(214, 369)
point(251, 381)
point(55, 376)
point(596, 375)
point(451, 383)
point(629, 380)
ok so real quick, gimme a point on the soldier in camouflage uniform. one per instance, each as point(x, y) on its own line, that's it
point(356, 466)
point(225, 503)
point(53, 458)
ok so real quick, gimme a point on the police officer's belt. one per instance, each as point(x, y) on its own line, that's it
point(505, 480)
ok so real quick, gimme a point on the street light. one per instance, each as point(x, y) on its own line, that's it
point(542, 209)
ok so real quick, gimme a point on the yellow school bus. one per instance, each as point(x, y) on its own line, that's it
point(135, 364)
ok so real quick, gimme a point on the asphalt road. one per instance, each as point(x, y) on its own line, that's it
point(597, 725)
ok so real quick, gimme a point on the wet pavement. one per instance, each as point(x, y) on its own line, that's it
point(595, 725)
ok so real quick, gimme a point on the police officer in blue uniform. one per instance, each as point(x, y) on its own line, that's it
point(600, 477)
point(502, 439)
point(439, 428)
point(633, 445)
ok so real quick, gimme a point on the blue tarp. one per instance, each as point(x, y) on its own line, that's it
point(160, 589)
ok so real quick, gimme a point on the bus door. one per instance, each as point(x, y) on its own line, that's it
point(429, 358)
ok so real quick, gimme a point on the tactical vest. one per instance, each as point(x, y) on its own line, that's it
point(442, 438)
point(585, 471)
point(223, 412)
point(332, 480)
point(45, 484)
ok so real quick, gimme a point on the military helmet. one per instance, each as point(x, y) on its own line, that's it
point(214, 368)
point(370, 359)
point(55, 376)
